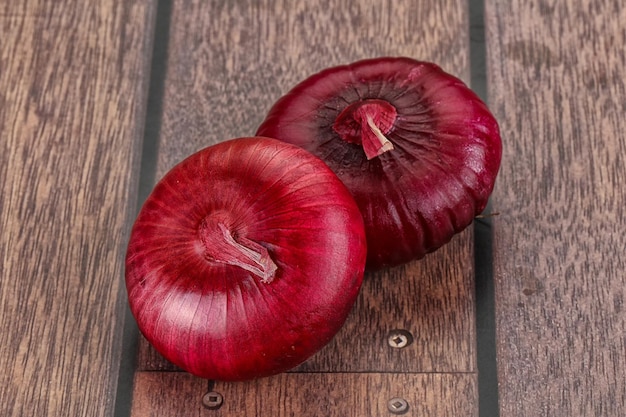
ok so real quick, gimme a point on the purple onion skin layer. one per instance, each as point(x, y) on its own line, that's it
point(216, 319)
point(444, 162)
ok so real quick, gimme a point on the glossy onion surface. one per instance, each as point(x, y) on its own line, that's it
point(245, 259)
point(415, 146)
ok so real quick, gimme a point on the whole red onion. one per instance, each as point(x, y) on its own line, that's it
point(245, 259)
point(415, 146)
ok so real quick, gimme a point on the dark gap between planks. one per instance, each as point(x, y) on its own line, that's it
point(152, 127)
point(483, 242)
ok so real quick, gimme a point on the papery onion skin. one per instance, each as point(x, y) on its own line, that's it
point(218, 320)
point(436, 175)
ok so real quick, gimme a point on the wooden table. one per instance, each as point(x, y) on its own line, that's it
point(97, 98)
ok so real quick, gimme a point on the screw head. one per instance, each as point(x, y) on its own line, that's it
point(398, 406)
point(399, 338)
point(212, 400)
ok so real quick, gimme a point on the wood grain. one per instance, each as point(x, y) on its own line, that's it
point(228, 62)
point(72, 87)
point(308, 394)
point(556, 75)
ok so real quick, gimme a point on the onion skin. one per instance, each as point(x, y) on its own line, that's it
point(434, 176)
point(221, 321)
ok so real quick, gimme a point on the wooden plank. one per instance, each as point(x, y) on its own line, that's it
point(227, 64)
point(556, 76)
point(72, 89)
point(243, 56)
point(306, 395)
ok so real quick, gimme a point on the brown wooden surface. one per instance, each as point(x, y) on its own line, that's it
point(557, 78)
point(227, 63)
point(308, 395)
point(73, 78)
point(72, 94)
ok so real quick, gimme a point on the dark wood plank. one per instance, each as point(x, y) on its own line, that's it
point(72, 87)
point(556, 76)
point(304, 395)
point(227, 63)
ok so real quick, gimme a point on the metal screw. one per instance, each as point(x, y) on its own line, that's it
point(399, 338)
point(398, 406)
point(212, 400)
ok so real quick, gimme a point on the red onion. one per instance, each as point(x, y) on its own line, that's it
point(245, 259)
point(415, 146)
